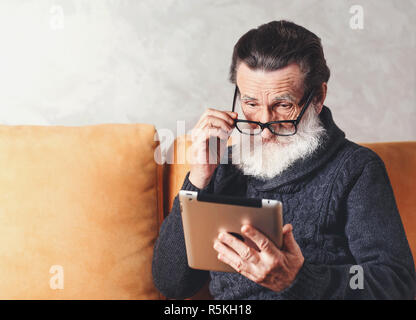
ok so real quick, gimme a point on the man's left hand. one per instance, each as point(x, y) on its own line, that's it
point(270, 267)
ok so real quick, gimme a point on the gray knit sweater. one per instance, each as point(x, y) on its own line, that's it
point(343, 211)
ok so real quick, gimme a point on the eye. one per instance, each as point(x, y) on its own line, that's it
point(283, 106)
point(251, 105)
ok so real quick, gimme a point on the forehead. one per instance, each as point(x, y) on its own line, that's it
point(285, 80)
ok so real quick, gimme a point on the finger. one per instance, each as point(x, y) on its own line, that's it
point(199, 135)
point(262, 242)
point(231, 241)
point(240, 270)
point(225, 115)
point(289, 242)
point(215, 132)
point(229, 257)
point(210, 113)
point(212, 121)
point(244, 252)
point(226, 251)
point(232, 114)
point(287, 228)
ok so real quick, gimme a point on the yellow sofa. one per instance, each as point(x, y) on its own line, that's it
point(80, 208)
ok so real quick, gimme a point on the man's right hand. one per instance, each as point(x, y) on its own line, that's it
point(213, 124)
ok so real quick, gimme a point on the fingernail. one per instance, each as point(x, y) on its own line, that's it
point(245, 229)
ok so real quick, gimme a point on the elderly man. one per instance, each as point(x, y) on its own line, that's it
point(339, 210)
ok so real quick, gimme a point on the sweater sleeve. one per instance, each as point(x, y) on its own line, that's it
point(377, 241)
point(171, 274)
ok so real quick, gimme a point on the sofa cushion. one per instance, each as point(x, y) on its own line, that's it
point(400, 161)
point(78, 212)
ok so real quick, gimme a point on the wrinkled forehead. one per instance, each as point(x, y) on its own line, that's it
point(259, 84)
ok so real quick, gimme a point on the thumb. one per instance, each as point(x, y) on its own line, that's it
point(289, 242)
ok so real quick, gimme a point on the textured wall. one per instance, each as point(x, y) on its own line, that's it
point(76, 62)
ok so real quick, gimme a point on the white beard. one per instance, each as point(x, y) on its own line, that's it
point(268, 159)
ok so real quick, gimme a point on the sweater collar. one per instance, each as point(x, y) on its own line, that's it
point(300, 168)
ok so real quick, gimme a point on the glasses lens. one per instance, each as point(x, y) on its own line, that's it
point(283, 129)
point(248, 128)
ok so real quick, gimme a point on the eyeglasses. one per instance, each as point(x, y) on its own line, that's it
point(279, 128)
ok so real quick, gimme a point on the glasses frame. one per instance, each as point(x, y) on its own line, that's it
point(268, 124)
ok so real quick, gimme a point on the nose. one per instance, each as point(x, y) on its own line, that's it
point(266, 116)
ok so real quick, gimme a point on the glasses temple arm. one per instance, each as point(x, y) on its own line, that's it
point(235, 97)
point(308, 101)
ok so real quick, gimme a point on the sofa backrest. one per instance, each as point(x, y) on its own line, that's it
point(78, 212)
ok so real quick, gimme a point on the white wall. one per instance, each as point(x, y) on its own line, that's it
point(77, 62)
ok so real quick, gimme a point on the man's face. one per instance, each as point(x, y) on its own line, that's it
point(270, 95)
point(273, 96)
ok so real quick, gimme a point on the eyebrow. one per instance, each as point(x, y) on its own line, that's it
point(278, 98)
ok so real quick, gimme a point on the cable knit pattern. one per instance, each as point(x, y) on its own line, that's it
point(342, 208)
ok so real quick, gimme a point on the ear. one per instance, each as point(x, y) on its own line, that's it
point(319, 102)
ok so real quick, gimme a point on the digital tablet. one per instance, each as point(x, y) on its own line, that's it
point(205, 215)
